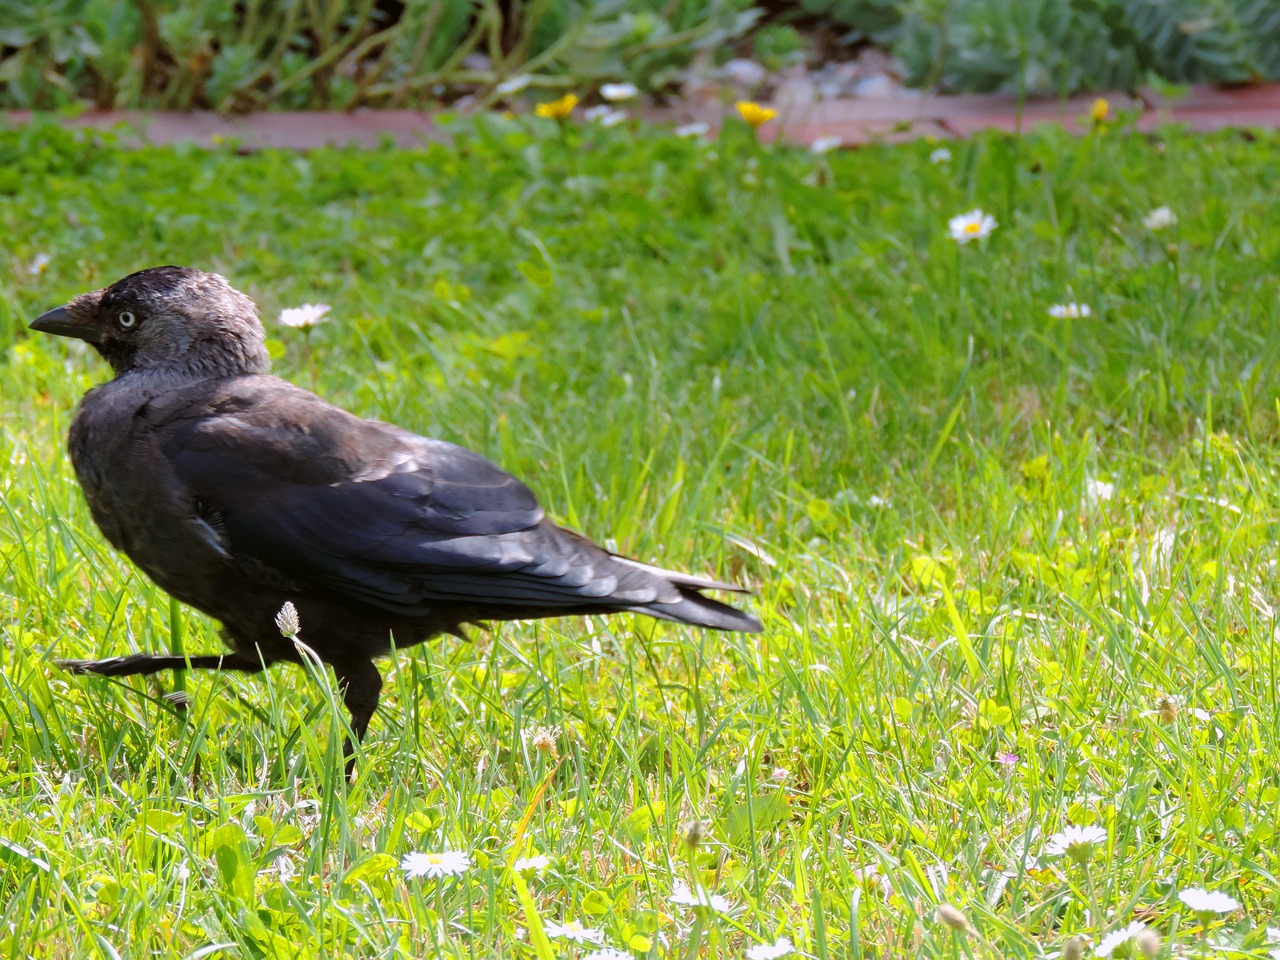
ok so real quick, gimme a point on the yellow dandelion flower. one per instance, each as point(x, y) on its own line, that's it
point(1099, 110)
point(557, 109)
point(755, 114)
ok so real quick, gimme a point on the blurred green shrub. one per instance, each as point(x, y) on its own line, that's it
point(1061, 46)
point(874, 20)
point(237, 55)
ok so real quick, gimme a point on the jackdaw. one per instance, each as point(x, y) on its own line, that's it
point(237, 492)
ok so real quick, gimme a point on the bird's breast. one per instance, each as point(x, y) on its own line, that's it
point(136, 499)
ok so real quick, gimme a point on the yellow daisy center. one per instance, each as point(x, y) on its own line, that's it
point(973, 227)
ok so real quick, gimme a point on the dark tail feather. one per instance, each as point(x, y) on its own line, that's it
point(695, 609)
point(691, 607)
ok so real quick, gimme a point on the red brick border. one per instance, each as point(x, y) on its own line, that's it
point(854, 121)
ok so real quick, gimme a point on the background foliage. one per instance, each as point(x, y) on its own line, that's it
point(1017, 572)
point(238, 55)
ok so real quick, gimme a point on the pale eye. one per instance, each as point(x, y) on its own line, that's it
point(127, 319)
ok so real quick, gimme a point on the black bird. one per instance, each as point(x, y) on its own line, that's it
point(237, 492)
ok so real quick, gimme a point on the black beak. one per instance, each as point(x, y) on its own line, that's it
point(59, 322)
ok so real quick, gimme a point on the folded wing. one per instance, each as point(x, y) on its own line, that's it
point(396, 520)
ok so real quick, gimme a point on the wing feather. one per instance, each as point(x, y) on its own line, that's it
point(375, 512)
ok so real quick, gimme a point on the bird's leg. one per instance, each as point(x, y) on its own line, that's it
point(361, 685)
point(142, 663)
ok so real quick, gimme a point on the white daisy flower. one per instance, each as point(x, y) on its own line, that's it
point(1070, 311)
point(448, 863)
point(514, 84)
point(1160, 553)
point(617, 92)
point(1095, 490)
point(605, 115)
point(1161, 218)
point(826, 144)
point(693, 130)
point(941, 155)
point(307, 315)
point(39, 265)
point(1208, 901)
point(1112, 940)
point(770, 951)
point(974, 225)
point(1075, 842)
point(683, 895)
point(535, 864)
point(610, 953)
point(575, 931)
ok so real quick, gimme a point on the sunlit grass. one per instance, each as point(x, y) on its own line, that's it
point(1018, 571)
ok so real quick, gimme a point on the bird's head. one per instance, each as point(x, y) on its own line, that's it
point(172, 317)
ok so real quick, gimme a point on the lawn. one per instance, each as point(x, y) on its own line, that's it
point(1018, 572)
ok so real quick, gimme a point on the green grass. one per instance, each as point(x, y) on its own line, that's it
point(761, 365)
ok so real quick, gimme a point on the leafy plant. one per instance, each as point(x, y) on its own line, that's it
point(260, 54)
point(874, 20)
point(1052, 46)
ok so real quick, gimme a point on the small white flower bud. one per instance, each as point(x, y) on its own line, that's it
point(953, 917)
point(287, 620)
